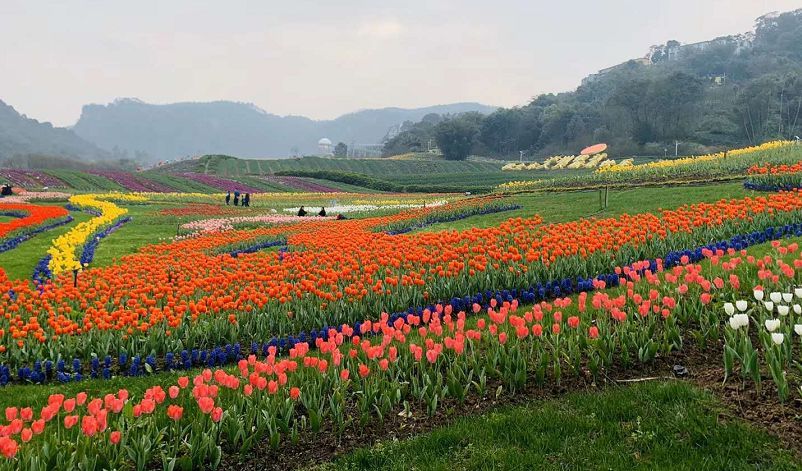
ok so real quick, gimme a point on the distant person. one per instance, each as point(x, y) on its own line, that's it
point(301, 212)
point(6, 191)
point(340, 217)
point(236, 198)
point(246, 200)
point(322, 212)
point(725, 153)
point(228, 198)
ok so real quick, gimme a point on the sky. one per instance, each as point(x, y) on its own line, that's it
point(325, 58)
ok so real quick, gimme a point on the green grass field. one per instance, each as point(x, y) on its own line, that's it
point(657, 425)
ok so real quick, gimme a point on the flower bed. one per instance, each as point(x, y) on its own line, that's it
point(30, 178)
point(133, 182)
point(63, 252)
point(334, 271)
point(418, 363)
point(219, 183)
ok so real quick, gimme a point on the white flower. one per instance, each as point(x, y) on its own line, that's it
point(797, 309)
point(758, 294)
point(798, 292)
point(739, 320)
point(787, 297)
point(783, 310)
point(798, 329)
point(769, 306)
point(741, 305)
point(772, 324)
point(778, 338)
point(729, 308)
point(775, 296)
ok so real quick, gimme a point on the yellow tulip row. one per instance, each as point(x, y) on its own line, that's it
point(628, 165)
point(64, 251)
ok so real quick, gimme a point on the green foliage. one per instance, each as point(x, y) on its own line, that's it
point(341, 150)
point(456, 137)
point(725, 94)
point(659, 425)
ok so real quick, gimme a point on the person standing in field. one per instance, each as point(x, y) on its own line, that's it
point(301, 212)
point(246, 200)
point(236, 198)
point(322, 212)
point(228, 198)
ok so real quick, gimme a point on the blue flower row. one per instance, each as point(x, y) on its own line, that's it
point(13, 242)
point(258, 247)
point(231, 353)
point(774, 187)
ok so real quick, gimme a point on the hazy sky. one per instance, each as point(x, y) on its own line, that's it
point(325, 58)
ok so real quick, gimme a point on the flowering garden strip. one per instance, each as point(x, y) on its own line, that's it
point(699, 169)
point(222, 355)
point(224, 325)
point(30, 216)
point(353, 378)
point(63, 253)
point(221, 184)
point(133, 182)
point(30, 178)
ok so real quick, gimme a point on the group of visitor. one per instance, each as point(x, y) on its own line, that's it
point(302, 212)
point(246, 199)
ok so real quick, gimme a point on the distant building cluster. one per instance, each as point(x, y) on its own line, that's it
point(674, 50)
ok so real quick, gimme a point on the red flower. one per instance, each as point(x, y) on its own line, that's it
point(175, 412)
point(115, 437)
point(217, 414)
point(593, 332)
point(8, 447)
point(344, 374)
point(206, 404)
point(70, 421)
point(573, 322)
point(295, 393)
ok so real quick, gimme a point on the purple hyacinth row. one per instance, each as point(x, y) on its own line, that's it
point(133, 182)
point(222, 184)
point(297, 183)
point(30, 178)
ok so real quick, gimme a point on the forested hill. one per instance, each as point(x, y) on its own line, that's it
point(730, 91)
point(148, 132)
point(20, 135)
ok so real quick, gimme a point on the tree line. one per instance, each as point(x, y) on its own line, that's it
point(730, 92)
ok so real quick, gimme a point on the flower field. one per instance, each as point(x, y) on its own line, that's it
point(735, 163)
point(262, 329)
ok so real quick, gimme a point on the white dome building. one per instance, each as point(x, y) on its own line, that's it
point(325, 146)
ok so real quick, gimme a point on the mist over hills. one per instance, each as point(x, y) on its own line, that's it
point(134, 129)
point(20, 135)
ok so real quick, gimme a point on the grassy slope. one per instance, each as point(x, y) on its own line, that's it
point(661, 425)
point(82, 181)
point(560, 207)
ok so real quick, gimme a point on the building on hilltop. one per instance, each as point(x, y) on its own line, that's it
point(325, 147)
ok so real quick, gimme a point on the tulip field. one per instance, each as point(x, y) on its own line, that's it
point(160, 330)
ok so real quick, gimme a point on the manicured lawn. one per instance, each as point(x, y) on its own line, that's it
point(561, 207)
point(653, 425)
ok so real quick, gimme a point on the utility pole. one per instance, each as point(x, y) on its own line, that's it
point(676, 148)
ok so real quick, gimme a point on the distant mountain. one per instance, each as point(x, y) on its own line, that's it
point(159, 132)
point(20, 135)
